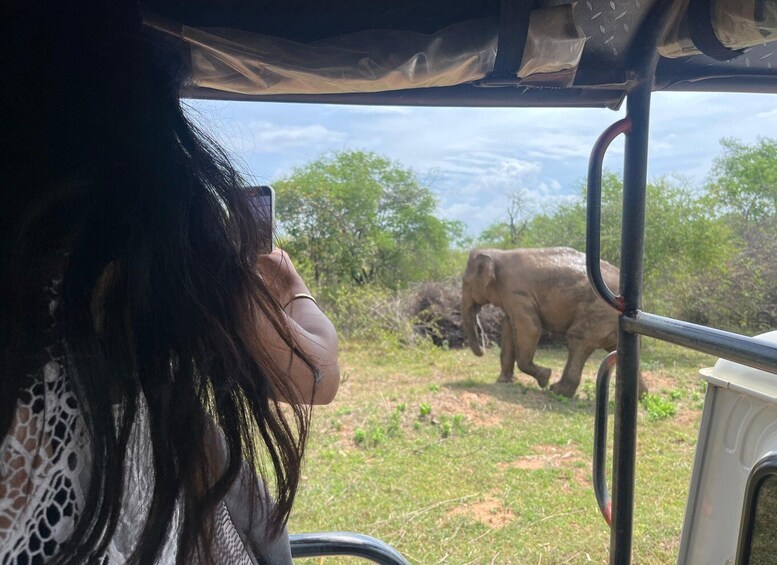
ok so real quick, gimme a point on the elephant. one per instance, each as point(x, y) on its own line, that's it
point(540, 289)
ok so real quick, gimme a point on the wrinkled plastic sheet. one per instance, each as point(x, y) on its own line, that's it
point(372, 61)
point(738, 24)
point(553, 43)
point(376, 60)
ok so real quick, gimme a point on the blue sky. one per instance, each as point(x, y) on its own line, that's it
point(474, 158)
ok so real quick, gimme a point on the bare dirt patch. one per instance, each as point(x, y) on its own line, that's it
point(582, 476)
point(688, 419)
point(546, 457)
point(471, 405)
point(488, 511)
point(658, 380)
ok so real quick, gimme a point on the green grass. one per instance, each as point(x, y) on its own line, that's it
point(423, 449)
point(659, 408)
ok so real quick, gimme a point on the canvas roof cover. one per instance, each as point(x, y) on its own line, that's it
point(467, 53)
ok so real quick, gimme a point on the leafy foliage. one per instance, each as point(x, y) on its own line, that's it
point(508, 233)
point(709, 253)
point(363, 231)
point(743, 182)
point(742, 188)
point(679, 229)
point(657, 407)
point(368, 312)
point(356, 217)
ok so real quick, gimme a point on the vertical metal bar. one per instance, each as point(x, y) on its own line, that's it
point(626, 387)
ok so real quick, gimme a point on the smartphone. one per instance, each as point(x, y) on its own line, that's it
point(262, 200)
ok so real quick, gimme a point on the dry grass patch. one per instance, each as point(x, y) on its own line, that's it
point(488, 511)
point(475, 407)
point(659, 380)
point(546, 457)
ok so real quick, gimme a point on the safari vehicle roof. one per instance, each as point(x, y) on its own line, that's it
point(614, 32)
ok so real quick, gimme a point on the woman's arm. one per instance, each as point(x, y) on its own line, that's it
point(314, 334)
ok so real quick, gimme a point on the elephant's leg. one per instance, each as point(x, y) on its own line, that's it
point(526, 330)
point(570, 379)
point(507, 355)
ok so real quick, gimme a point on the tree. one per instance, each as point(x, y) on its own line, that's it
point(357, 217)
point(683, 238)
point(744, 297)
point(742, 188)
point(507, 233)
point(743, 183)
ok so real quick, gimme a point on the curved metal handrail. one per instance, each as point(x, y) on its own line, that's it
point(600, 436)
point(323, 544)
point(594, 212)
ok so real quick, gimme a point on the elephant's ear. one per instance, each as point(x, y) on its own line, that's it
point(485, 269)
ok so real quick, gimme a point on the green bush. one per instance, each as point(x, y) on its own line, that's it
point(743, 298)
point(657, 407)
point(368, 312)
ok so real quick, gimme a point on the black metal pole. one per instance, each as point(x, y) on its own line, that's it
point(626, 387)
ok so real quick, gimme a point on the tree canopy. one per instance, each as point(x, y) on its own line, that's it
point(743, 182)
point(709, 252)
point(742, 187)
point(355, 218)
point(358, 217)
point(679, 229)
point(508, 231)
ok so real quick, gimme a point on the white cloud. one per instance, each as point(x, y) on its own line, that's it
point(460, 168)
point(271, 138)
point(475, 216)
point(391, 110)
point(507, 176)
point(480, 200)
point(559, 145)
point(474, 157)
point(659, 146)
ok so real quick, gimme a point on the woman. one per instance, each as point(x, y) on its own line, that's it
point(147, 348)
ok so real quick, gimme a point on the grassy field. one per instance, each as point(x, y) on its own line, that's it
point(423, 449)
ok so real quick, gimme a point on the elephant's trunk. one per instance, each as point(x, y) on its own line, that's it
point(469, 315)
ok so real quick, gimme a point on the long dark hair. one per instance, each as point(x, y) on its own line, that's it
point(106, 183)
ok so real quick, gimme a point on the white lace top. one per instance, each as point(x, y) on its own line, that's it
point(44, 474)
point(44, 467)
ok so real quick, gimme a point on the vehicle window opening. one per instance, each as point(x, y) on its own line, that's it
point(763, 543)
point(758, 534)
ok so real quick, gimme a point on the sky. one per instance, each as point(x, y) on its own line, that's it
point(474, 158)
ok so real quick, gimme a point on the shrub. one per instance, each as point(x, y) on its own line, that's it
point(428, 310)
point(368, 312)
point(657, 407)
point(744, 298)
